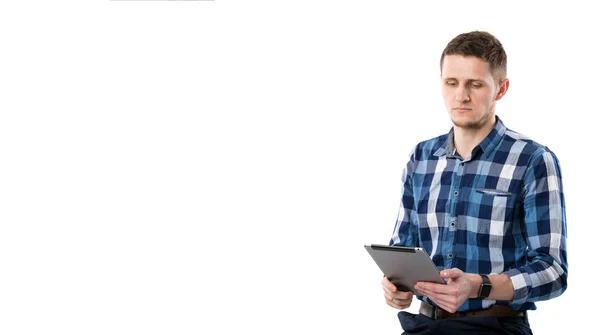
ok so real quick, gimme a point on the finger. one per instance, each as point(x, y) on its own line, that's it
point(388, 291)
point(390, 302)
point(403, 295)
point(398, 304)
point(445, 301)
point(402, 298)
point(399, 298)
point(440, 299)
point(433, 288)
point(388, 296)
point(430, 294)
point(427, 293)
point(388, 285)
point(404, 306)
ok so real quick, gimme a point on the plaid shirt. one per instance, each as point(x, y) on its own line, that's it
point(501, 210)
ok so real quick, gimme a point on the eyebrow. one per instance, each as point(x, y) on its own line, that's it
point(470, 80)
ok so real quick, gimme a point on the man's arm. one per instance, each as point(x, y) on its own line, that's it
point(545, 274)
point(405, 234)
point(405, 230)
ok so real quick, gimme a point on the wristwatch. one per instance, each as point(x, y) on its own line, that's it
point(486, 287)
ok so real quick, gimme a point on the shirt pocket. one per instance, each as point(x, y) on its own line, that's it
point(492, 205)
point(490, 215)
point(493, 192)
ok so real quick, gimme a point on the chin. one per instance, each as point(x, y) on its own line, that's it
point(468, 123)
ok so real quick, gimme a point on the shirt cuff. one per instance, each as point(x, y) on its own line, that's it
point(522, 285)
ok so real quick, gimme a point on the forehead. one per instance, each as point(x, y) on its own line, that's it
point(469, 67)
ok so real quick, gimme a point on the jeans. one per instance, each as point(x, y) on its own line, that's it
point(418, 324)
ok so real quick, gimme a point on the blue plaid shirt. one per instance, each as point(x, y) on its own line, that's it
point(501, 210)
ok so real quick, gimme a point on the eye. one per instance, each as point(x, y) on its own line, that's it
point(476, 85)
point(450, 83)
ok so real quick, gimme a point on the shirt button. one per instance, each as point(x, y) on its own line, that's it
point(452, 224)
point(455, 193)
point(451, 255)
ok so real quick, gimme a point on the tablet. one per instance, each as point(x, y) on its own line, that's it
point(405, 266)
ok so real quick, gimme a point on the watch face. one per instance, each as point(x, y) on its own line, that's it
point(485, 290)
point(486, 287)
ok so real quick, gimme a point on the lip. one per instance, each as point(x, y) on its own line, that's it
point(462, 109)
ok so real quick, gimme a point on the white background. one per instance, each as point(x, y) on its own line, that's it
point(179, 167)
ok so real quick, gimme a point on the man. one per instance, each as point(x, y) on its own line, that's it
point(486, 203)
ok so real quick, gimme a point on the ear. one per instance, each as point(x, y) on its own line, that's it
point(504, 83)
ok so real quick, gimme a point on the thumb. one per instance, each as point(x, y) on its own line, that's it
point(451, 273)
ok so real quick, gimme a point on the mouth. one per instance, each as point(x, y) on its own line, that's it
point(462, 109)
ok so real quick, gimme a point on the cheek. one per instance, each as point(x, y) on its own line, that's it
point(483, 100)
point(448, 98)
point(489, 98)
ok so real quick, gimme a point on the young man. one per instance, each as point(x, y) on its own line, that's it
point(486, 203)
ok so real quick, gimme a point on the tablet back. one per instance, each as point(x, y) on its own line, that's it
point(404, 266)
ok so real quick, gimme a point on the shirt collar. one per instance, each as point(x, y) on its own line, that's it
point(487, 145)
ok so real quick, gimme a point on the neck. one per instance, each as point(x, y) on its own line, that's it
point(465, 139)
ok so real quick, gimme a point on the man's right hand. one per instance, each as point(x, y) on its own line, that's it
point(395, 298)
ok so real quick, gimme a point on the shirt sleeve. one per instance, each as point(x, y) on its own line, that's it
point(405, 229)
point(545, 274)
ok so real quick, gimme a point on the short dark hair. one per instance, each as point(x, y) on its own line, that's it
point(482, 45)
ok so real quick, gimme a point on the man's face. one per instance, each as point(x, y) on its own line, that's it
point(470, 91)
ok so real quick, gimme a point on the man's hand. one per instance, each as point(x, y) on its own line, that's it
point(395, 298)
point(459, 287)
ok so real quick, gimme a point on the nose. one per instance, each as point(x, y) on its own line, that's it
point(461, 94)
